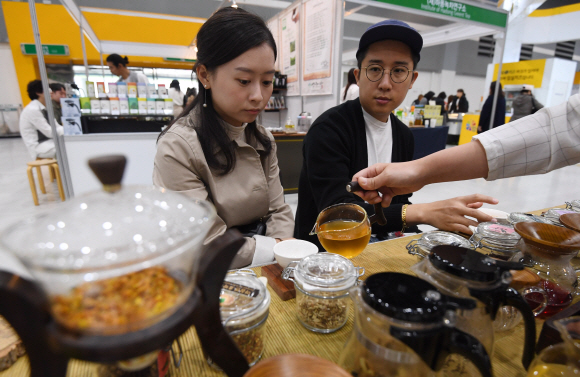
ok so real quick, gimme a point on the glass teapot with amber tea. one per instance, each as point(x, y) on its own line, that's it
point(345, 228)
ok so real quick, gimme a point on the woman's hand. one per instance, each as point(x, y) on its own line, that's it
point(450, 214)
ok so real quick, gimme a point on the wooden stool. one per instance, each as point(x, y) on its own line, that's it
point(54, 173)
point(50, 170)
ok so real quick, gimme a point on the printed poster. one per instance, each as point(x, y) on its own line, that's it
point(290, 46)
point(317, 57)
point(273, 26)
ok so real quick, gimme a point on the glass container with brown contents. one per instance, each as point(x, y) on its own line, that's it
point(244, 307)
point(322, 283)
point(115, 261)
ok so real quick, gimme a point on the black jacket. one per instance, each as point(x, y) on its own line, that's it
point(334, 150)
point(463, 106)
point(485, 116)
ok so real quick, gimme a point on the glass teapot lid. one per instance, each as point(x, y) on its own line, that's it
point(408, 298)
point(326, 271)
point(469, 264)
point(103, 230)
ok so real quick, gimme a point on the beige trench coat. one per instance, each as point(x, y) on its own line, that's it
point(249, 192)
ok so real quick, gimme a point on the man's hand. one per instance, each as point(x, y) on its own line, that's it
point(450, 214)
point(389, 180)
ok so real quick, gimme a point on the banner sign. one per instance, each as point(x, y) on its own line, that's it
point(455, 9)
point(529, 72)
point(55, 50)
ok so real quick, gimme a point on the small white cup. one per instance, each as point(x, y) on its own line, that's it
point(293, 250)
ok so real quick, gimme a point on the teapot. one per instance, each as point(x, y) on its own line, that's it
point(465, 273)
point(404, 326)
point(562, 359)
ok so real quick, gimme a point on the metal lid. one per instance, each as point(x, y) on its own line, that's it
point(469, 264)
point(406, 298)
point(326, 271)
point(103, 230)
point(501, 232)
point(520, 217)
point(243, 297)
point(436, 238)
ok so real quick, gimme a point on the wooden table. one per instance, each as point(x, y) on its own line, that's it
point(284, 334)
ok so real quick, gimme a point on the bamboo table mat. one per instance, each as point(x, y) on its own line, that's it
point(284, 334)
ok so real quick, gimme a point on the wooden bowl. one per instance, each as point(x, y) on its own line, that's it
point(292, 365)
point(551, 237)
point(571, 220)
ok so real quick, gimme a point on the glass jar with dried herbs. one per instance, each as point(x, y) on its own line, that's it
point(322, 283)
point(244, 308)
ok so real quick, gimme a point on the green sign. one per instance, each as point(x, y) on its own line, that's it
point(180, 60)
point(57, 50)
point(454, 9)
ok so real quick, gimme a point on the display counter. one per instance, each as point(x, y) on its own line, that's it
point(429, 140)
point(105, 123)
point(140, 148)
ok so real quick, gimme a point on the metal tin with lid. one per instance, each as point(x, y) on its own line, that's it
point(322, 283)
point(244, 309)
point(498, 239)
point(422, 247)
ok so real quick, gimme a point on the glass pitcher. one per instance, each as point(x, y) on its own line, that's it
point(405, 327)
point(547, 251)
point(465, 273)
point(562, 359)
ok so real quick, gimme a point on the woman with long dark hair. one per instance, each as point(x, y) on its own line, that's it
point(499, 116)
point(215, 151)
point(350, 91)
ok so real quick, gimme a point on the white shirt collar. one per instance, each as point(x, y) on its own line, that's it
point(374, 122)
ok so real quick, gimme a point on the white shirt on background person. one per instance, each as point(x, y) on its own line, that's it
point(135, 76)
point(351, 94)
point(33, 121)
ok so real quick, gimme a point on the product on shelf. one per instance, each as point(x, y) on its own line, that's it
point(112, 90)
point(141, 90)
point(124, 106)
point(142, 106)
point(101, 90)
point(115, 106)
point(132, 89)
point(122, 89)
point(105, 106)
point(90, 89)
point(85, 105)
point(95, 106)
point(151, 92)
point(151, 106)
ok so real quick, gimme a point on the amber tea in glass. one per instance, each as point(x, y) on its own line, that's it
point(343, 229)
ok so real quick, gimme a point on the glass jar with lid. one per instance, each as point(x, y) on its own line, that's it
point(244, 309)
point(574, 205)
point(322, 283)
point(421, 247)
point(521, 217)
point(496, 239)
point(553, 215)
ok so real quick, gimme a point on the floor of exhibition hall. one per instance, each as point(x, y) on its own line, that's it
point(514, 194)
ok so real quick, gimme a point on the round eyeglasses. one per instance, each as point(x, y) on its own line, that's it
point(398, 74)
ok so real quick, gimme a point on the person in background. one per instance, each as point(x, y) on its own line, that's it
point(359, 133)
point(418, 100)
point(551, 136)
point(440, 101)
point(450, 100)
point(118, 67)
point(460, 103)
point(428, 97)
point(350, 91)
point(57, 91)
point(215, 151)
point(499, 116)
point(34, 127)
point(177, 96)
point(525, 104)
point(190, 95)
